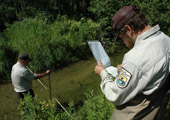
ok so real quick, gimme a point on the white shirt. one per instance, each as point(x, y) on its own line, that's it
point(144, 68)
point(21, 78)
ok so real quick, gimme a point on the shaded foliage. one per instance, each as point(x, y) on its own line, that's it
point(102, 12)
point(157, 12)
point(7, 57)
point(12, 10)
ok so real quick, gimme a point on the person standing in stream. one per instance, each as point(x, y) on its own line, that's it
point(22, 77)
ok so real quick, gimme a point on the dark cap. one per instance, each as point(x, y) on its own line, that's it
point(24, 57)
point(122, 16)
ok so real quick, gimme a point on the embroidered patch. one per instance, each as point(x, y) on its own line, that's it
point(123, 78)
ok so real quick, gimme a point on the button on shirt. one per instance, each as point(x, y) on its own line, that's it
point(21, 78)
point(144, 68)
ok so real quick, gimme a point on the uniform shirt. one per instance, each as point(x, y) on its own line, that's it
point(21, 78)
point(144, 68)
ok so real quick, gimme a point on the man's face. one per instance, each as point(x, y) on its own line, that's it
point(25, 62)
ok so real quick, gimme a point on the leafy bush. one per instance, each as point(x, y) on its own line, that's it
point(30, 36)
point(95, 107)
point(157, 12)
point(69, 37)
point(31, 109)
point(102, 12)
point(52, 45)
point(6, 59)
point(28, 108)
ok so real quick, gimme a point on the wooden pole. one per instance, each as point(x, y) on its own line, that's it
point(37, 79)
point(49, 86)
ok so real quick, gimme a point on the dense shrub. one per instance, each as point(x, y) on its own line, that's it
point(70, 37)
point(6, 59)
point(102, 12)
point(95, 107)
point(32, 109)
point(30, 36)
point(52, 45)
point(156, 11)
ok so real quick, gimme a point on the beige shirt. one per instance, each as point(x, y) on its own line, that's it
point(21, 78)
point(144, 68)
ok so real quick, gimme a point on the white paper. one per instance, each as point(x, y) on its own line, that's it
point(112, 70)
point(100, 55)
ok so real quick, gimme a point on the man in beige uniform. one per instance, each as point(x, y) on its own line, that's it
point(136, 90)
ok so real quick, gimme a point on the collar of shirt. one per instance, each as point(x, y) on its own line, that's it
point(147, 34)
point(19, 64)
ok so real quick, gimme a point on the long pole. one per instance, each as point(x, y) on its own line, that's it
point(37, 79)
point(42, 83)
point(50, 91)
point(62, 107)
point(55, 98)
point(49, 86)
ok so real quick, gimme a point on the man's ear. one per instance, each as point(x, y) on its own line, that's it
point(22, 61)
point(129, 29)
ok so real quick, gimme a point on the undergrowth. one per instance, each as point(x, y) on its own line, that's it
point(95, 107)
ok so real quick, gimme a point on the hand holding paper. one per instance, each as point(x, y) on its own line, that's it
point(119, 67)
point(100, 55)
point(99, 68)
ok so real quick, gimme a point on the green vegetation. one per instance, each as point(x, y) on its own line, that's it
point(68, 84)
point(54, 33)
point(52, 45)
point(95, 107)
point(5, 57)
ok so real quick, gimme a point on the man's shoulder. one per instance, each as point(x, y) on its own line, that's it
point(138, 57)
point(19, 67)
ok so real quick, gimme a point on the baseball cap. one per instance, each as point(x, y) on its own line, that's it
point(24, 57)
point(121, 17)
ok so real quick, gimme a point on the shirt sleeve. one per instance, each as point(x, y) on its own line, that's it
point(28, 75)
point(125, 87)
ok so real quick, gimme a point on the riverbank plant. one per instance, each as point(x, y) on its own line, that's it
point(95, 107)
point(51, 45)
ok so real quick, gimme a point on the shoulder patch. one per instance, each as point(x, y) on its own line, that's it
point(123, 78)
